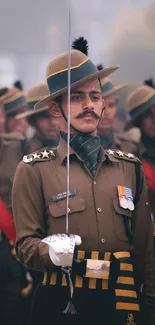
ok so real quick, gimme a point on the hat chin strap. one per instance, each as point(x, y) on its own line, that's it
point(75, 129)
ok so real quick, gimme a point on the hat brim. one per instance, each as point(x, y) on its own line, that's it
point(31, 113)
point(16, 109)
point(113, 90)
point(99, 74)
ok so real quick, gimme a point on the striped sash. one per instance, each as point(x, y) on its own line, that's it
point(125, 293)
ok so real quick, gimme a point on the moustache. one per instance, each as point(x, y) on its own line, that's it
point(85, 113)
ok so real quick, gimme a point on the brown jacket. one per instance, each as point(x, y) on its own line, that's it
point(95, 212)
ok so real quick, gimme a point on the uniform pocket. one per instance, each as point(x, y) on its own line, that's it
point(58, 209)
point(120, 216)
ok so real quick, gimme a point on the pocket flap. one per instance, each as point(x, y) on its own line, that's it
point(120, 210)
point(58, 209)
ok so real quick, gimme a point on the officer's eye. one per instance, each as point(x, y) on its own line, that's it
point(76, 97)
point(96, 97)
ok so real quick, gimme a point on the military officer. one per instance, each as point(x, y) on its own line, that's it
point(97, 251)
point(47, 126)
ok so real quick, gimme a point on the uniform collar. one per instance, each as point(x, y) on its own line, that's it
point(62, 152)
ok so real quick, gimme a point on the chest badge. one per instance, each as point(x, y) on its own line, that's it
point(125, 197)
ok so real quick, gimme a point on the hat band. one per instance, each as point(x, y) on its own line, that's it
point(31, 102)
point(59, 81)
point(19, 101)
point(138, 110)
point(107, 86)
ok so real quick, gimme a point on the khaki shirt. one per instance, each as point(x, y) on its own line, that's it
point(95, 213)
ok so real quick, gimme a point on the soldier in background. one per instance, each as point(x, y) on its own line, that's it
point(47, 126)
point(141, 107)
point(14, 102)
point(109, 139)
point(16, 282)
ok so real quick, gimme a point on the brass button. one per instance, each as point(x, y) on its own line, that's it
point(102, 240)
point(99, 209)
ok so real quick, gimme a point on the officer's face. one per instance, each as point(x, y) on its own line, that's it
point(106, 122)
point(86, 104)
point(148, 122)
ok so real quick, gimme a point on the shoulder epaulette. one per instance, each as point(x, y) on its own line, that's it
point(118, 154)
point(40, 155)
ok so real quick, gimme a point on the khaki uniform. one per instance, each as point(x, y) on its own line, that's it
point(95, 213)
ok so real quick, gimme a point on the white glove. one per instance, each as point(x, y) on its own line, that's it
point(61, 248)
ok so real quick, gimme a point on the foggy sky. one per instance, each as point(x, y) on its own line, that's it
point(32, 32)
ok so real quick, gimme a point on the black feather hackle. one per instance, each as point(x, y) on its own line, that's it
point(149, 82)
point(100, 66)
point(80, 44)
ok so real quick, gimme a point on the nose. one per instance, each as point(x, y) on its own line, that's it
point(88, 104)
point(52, 121)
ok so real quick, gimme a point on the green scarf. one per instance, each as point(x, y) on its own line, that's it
point(87, 147)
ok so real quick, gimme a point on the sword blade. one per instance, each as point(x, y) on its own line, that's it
point(68, 121)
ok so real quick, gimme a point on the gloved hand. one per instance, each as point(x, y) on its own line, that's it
point(61, 248)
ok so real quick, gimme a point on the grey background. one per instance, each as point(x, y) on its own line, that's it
point(32, 32)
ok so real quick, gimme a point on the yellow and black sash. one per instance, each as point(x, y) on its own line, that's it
point(121, 281)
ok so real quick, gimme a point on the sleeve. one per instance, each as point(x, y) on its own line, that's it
point(144, 258)
point(29, 218)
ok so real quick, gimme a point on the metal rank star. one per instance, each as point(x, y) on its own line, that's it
point(45, 154)
point(36, 156)
point(110, 152)
point(120, 153)
point(130, 155)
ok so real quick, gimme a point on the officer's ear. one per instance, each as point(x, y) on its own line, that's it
point(54, 108)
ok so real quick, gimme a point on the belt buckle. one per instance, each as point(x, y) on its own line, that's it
point(97, 269)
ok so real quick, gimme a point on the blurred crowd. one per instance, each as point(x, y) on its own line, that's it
point(24, 130)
